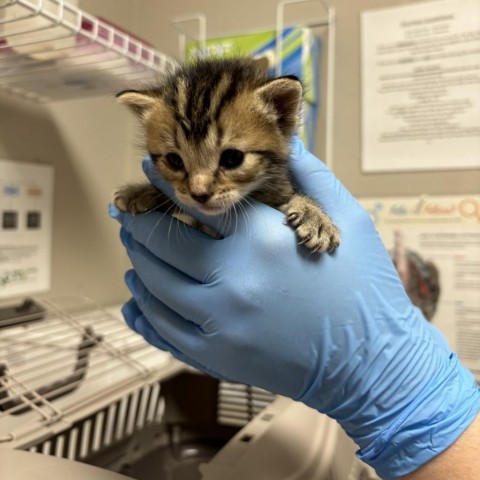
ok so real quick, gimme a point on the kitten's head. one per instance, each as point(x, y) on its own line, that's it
point(218, 129)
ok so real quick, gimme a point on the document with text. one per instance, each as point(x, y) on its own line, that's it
point(421, 87)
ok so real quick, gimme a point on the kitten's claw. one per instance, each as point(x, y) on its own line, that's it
point(139, 198)
point(126, 204)
point(119, 201)
point(305, 239)
point(314, 228)
point(293, 218)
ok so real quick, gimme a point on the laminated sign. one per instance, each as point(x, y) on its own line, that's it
point(434, 242)
point(26, 198)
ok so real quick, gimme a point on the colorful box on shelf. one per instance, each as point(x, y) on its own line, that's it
point(300, 57)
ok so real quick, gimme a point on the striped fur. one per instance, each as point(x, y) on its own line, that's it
point(213, 106)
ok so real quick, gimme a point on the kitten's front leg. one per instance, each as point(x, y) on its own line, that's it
point(140, 198)
point(314, 227)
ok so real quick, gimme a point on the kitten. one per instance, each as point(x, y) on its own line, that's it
point(219, 130)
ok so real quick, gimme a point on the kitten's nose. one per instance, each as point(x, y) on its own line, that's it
point(203, 198)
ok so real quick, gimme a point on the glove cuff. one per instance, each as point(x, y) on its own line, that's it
point(428, 426)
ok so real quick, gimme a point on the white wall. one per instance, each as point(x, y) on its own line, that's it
point(89, 143)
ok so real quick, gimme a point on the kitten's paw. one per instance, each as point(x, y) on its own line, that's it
point(314, 228)
point(137, 198)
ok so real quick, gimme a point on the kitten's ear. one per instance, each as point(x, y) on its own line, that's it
point(283, 95)
point(139, 102)
point(262, 63)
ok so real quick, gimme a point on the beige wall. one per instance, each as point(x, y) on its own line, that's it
point(91, 142)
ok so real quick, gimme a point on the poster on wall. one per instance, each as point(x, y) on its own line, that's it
point(434, 242)
point(26, 200)
point(421, 87)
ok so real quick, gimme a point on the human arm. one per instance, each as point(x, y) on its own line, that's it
point(460, 461)
point(336, 332)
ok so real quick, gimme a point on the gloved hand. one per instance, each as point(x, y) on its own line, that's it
point(336, 332)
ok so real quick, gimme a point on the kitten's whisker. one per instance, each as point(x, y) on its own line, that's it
point(179, 230)
point(158, 222)
point(165, 213)
point(153, 230)
point(227, 217)
point(187, 227)
point(231, 212)
point(184, 226)
point(169, 230)
point(246, 216)
point(244, 199)
point(236, 218)
point(181, 225)
point(178, 225)
point(157, 207)
point(253, 207)
point(248, 202)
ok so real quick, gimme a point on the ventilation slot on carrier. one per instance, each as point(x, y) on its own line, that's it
point(238, 404)
point(107, 427)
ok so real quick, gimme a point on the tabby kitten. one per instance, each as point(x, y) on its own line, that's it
point(219, 130)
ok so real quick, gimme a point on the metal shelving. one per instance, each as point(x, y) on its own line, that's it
point(76, 361)
point(52, 50)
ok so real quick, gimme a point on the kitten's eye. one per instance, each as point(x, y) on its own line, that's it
point(155, 157)
point(175, 161)
point(231, 158)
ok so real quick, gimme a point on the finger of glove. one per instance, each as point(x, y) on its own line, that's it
point(134, 318)
point(184, 248)
point(131, 312)
point(179, 292)
point(139, 324)
point(169, 325)
point(314, 178)
point(149, 333)
point(235, 221)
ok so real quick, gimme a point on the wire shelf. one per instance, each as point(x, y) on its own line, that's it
point(79, 359)
point(51, 50)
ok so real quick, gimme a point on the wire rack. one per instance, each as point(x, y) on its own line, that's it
point(51, 50)
point(78, 360)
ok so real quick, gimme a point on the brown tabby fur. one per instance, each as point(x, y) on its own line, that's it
point(212, 105)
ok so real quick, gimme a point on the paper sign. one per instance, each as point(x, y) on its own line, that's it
point(435, 243)
point(26, 200)
point(421, 87)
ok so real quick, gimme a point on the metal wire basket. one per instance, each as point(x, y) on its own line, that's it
point(52, 50)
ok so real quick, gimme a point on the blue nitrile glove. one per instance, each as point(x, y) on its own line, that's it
point(336, 332)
